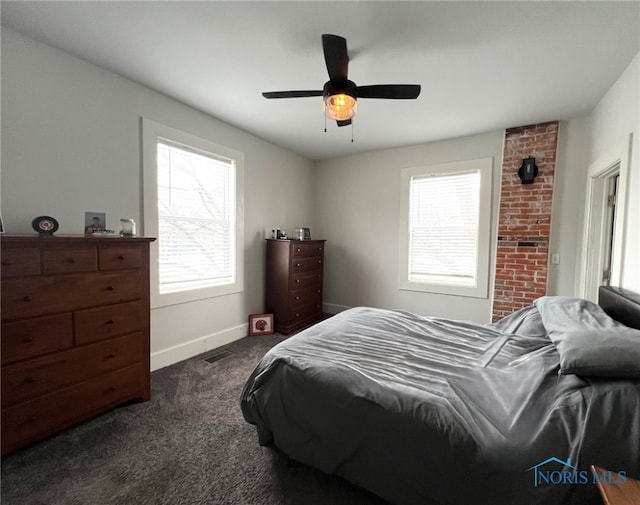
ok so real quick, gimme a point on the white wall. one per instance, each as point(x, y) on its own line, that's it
point(615, 117)
point(568, 201)
point(71, 143)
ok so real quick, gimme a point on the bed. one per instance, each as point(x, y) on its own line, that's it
point(432, 411)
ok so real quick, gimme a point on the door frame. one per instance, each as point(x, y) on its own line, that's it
point(614, 162)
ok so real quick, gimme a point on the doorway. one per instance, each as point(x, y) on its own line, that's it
point(603, 238)
point(609, 244)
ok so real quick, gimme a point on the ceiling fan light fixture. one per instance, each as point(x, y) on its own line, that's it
point(340, 106)
point(339, 94)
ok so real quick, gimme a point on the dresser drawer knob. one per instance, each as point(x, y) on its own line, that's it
point(112, 355)
point(297, 298)
point(319, 262)
point(120, 257)
point(111, 321)
point(297, 264)
point(28, 298)
point(27, 340)
point(71, 260)
point(298, 249)
point(297, 315)
point(110, 288)
point(29, 380)
point(112, 388)
point(317, 291)
point(297, 281)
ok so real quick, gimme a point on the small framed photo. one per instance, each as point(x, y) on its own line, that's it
point(94, 222)
point(260, 324)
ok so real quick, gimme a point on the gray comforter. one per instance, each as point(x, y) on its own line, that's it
point(431, 411)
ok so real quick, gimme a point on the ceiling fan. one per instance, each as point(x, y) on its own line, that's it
point(340, 95)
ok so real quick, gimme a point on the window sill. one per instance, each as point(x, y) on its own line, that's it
point(445, 289)
point(192, 295)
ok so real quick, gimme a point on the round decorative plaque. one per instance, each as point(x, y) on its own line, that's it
point(45, 225)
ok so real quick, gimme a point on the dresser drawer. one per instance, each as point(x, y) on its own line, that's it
point(301, 249)
point(48, 414)
point(303, 312)
point(113, 257)
point(306, 264)
point(37, 296)
point(308, 296)
point(32, 337)
point(104, 322)
point(65, 260)
point(306, 280)
point(18, 261)
point(27, 380)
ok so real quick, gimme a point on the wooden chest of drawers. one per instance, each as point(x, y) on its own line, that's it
point(293, 288)
point(75, 331)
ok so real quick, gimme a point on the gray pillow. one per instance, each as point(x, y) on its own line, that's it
point(599, 353)
point(590, 343)
point(561, 314)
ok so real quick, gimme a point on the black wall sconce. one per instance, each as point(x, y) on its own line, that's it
point(528, 171)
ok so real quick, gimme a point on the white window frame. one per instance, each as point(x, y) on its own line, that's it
point(151, 132)
point(480, 289)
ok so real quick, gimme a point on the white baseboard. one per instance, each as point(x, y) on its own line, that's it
point(333, 308)
point(166, 357)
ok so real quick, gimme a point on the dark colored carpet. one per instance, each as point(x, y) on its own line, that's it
point(188, 445)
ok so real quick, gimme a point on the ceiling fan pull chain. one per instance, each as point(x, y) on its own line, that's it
point(325, 124)
point(352, 132)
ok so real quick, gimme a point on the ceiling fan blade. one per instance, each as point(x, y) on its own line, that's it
point(346, 122)
point(391, 91)
point(335, 56)
point(291, 94)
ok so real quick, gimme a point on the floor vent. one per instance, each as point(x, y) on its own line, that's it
point(217, 356)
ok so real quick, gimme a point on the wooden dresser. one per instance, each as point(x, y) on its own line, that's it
point(75, 331)
point(293, 288)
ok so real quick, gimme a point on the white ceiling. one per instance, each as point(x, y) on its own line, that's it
point(482, 65)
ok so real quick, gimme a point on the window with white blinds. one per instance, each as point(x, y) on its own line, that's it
point(193, 206)
point(196, 218)
point(445, 228)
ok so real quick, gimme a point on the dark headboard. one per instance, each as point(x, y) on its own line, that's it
point(621, 304)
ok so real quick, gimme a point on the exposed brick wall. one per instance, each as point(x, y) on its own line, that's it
point(524, 223)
